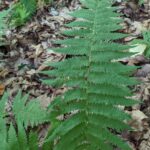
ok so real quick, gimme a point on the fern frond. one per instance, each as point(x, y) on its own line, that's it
point(33, 141)
point(2, 104)
point(19, 140)
point(3, 16)
point(30, 6)
point(3, 134)
point(3, 129)
point(146, 41)
point(97, 84)
point(12, 140)
point(28, 112)
point(22, 11)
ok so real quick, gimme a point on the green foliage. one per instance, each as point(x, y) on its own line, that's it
point(19, 13)
point(3, 16)
point(48, 1)
point(3, 25)
point(25, 113)
point(29, 5)
point(28, 113)
point(22, 11)
point(141, 1)
point(20, 140)
point(146, 41)
point(97, 84)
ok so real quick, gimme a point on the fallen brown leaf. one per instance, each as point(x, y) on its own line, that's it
point(2, 89)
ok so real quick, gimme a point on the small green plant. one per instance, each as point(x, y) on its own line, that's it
point(22, 11)
point(3, 24)
point(14, 135)
point(96, 83)
point(20, 15)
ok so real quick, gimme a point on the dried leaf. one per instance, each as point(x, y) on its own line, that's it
point(2, 89)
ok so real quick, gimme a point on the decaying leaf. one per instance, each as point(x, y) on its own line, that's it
point(2, 89)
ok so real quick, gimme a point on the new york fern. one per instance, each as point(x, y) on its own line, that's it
point(96, 83)
point(25, 114)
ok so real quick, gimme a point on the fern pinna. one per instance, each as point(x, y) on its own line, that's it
point(96, 83)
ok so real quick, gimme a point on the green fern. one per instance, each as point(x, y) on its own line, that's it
point(3, 16)
point(97, 84)
point(21, 141)
point(25, 113)
point(22, 11)
point(28, 113)
point(3, 130)
point(29, 5)
point(3, 25)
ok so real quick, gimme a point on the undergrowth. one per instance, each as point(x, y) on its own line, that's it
point(13, 130)
point(23, 10)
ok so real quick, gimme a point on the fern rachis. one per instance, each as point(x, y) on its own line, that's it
point(96, 89)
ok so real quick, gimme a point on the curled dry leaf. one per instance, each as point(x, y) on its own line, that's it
point(139, 120)
point(145, 144)
point(138, 115)
point(2, 89)
point(44, 100)
point(4, 72)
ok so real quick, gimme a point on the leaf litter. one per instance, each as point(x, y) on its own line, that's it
point(25, 52)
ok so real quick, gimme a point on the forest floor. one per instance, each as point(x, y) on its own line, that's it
point(29, 46)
